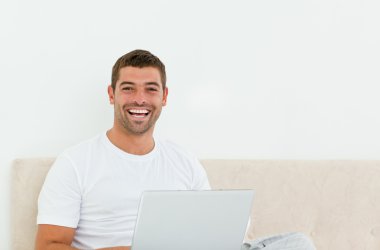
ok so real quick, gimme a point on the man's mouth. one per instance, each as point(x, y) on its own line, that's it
point(139, 113)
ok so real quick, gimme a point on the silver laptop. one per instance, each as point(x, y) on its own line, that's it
point(196, 220)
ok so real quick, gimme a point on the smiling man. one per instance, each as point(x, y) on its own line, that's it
point(91, 194)
point(90, 197)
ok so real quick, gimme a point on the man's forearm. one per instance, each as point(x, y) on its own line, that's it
point(115, 248)
point(57, 246)
point(60, 246)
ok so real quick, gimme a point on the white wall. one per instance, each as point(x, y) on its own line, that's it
point(251, 79)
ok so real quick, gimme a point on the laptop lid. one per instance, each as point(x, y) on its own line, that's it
point(196, 220)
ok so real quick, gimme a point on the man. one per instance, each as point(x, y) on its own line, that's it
point(90, 197)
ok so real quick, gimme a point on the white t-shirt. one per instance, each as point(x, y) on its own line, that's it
point(95, 187)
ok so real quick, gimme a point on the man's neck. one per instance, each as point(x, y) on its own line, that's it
point(132, 144)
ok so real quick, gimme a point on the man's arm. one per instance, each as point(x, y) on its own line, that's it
point(51, 237)
point(115, 248)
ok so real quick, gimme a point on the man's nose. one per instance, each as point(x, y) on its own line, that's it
point(140, 97)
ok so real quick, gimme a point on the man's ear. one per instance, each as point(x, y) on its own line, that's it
point(111, 94)
point(165, 96)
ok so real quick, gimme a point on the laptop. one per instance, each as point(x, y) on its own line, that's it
point(192, 220)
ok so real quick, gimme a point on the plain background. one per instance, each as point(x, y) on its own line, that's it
point(268, 79)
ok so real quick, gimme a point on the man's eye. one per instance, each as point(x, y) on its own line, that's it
point(127, 88)
point(152, 89)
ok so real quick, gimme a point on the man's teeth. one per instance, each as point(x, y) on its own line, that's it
point(139, 111)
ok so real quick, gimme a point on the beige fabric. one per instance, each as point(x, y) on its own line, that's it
point(28, 176)
point(336, 203)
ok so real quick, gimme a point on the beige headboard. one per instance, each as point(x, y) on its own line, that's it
point(336, 203)
point(28, 176)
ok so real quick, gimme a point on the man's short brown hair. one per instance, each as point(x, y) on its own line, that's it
point(138, 58)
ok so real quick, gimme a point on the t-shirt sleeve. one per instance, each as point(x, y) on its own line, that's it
point(200, 180)
point(60, 197)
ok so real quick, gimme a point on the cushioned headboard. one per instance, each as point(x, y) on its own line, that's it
point(28, 176)
point(337, 203)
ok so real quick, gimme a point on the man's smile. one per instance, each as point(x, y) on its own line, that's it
point(138, 113)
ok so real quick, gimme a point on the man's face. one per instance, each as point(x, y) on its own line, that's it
point(138, 99)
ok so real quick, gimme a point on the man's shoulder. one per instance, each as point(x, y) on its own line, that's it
point(175, 150)
point(166, 144)
point(83, 148)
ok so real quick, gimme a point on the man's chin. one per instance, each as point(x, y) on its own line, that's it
point(137, 127)
point(139, 130)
